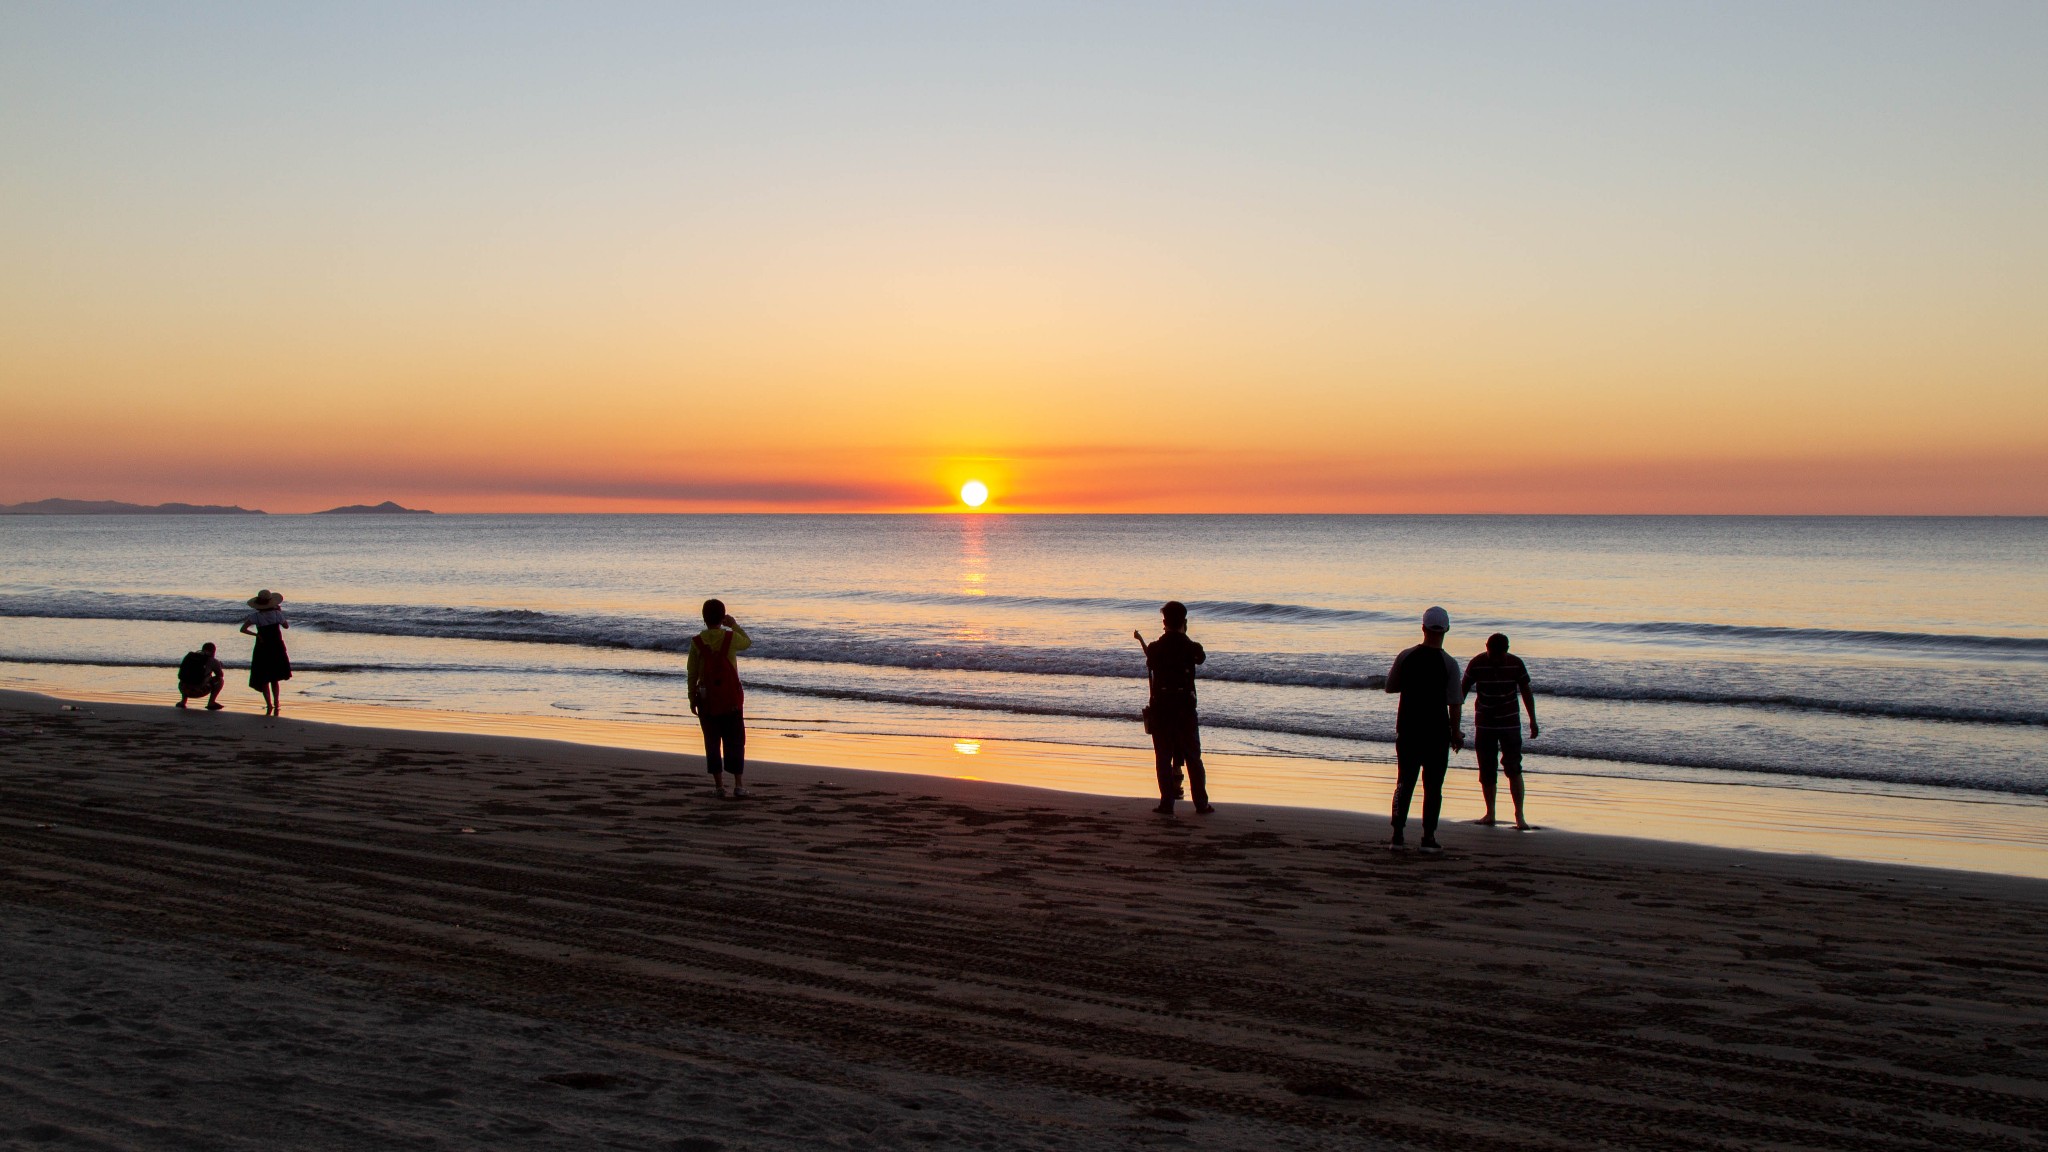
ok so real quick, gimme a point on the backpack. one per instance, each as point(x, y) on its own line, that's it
point(192, 669)
point(718, 678)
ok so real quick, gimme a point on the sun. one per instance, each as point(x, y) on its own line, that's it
point(974, 493)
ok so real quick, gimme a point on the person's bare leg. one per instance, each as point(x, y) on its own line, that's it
point(1489, 765)
point(213, 698)
point(181, 699)
point(1515, 791)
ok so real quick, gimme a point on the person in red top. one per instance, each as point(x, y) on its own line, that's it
point(1499, 679)
point(717, 698)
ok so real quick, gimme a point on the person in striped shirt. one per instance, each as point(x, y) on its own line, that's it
point(1502, 682)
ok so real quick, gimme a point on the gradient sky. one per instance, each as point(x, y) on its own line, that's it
point(1265, 257)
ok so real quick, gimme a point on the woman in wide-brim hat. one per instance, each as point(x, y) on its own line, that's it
point(269, 665)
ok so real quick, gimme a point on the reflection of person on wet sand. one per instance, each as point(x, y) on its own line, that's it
point(269, 664)
point(200, 674)
point(1498, 677)
point(1176, 731)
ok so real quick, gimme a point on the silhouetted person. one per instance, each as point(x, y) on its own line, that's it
point(269, 664)
point(1176, 731)
point(199, 674)
point(717, 698)
point(1426, 729)
point(1496, 722)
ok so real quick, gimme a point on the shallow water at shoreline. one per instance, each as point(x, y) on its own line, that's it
point(1866, 652)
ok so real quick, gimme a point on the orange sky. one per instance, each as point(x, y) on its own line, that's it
point(1636, 263)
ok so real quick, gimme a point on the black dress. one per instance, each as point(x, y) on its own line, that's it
point(269, 663)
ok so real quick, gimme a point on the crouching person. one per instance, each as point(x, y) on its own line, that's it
point(200, 674)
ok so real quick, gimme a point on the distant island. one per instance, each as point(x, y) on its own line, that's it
point(387, 508)
point(120, 508)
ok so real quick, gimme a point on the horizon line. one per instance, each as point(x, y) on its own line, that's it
point(972, 513)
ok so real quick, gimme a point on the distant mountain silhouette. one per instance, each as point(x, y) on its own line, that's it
point(387, 508)
point(121, 508)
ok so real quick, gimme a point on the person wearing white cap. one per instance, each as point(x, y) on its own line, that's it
point(1427, 726)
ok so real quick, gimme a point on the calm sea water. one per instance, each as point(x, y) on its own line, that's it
point(1885, 651)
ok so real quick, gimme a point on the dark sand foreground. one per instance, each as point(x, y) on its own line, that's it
point(225, 932)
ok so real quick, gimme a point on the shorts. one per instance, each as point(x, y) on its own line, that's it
point(1500, 750)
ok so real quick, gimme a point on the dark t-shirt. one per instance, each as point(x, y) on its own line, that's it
point(1172, 659)
point(197, 668)
point(1499, 684)
point(1427, 679)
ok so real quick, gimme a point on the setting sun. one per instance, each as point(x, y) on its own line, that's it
point(974, 493)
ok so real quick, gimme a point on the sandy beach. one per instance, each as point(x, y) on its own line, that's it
point(227, 932)
point(1945, 828)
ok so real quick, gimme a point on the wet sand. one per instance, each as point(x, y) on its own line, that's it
point(1851, 820)
point(228, 932)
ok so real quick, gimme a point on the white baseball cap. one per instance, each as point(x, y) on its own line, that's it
point(1436, 620)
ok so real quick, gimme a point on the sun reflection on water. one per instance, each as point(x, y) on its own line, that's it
point(973, 558)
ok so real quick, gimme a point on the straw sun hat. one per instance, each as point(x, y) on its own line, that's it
point(265, 600)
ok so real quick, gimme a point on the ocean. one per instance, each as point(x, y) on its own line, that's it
point(1861, 653)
